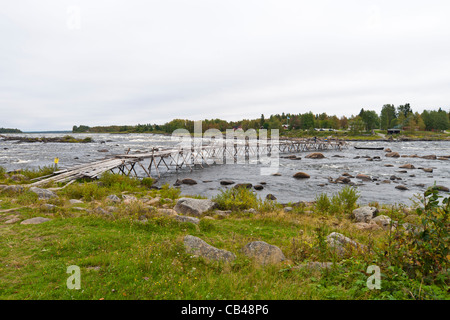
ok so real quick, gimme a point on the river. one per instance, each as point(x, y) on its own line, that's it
point(22, 155)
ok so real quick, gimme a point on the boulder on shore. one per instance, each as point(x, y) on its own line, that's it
point(194, 207)
point(263, 252)
point(364, 214)
point(341, 243)
point(199, 247)
point(43, 194)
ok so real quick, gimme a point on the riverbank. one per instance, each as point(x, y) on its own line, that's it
point(63, 139)
point(132, 240)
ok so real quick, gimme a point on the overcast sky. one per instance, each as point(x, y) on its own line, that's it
point(65, 63)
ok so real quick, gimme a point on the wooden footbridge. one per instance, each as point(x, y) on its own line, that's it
point(163, 159)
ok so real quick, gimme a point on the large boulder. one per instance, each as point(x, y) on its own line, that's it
point(364, 214)
point(407, 166)
point(43, 194)
point(187, 219)
point(315, 155)
point(263, 252)
point(194, 207)
point(226, 182)
point(301, 175)
point(199, 247)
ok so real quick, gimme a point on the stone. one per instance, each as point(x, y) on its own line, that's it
point(401, 187)
point(243, 185)
point(363, 177)
point(407, 166)
point(301, 175)
point(199, 247)
point(429, 170)
point(226, 182)
point(258, 187)
point(19, 177)
point(388, 165)
point(341, 243)
point(11, 221)
point(348, 175)
point(441, 188)
point(276, 174)
point(194, 207)
point(113, 198)
point(36, 220)
point(48, 206)
point(271, 197)
point(387, 150)
point(392, 155)
point(364, 214)
point(383, 221)
point(263, 252)
point(12, 188)
point(315, 155)
point(251, 210)
point(154, 201)
point(43, 194)
point(343, 180)
point(75, 201)
point(187, 219)
point(188, 181)
point(430, 157)
point(367, 226)
point(167, 212)
point(288, 209)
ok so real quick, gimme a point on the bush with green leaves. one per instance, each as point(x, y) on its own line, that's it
point(422, 251)
point(342, 202)
point(236, 199)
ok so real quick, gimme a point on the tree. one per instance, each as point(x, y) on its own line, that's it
point(356, 125)
point(370, 119)
point(387, 115)
point(404, 109)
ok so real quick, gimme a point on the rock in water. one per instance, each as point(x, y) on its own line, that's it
point(407, 166)
point(226, 182)
point(392, 155)
point(188, 181)
point(194, 207)
point(198, 247)
point(401, 187)
point(263, 252)
point(243, 185)
point(315, 155)
point(301, 175)
point(363, 177)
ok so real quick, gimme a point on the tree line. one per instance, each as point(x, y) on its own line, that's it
point(401, 117)
point(9, 130)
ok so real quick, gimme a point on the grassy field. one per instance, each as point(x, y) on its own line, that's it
point(134, 252)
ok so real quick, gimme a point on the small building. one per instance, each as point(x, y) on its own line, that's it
point(393, 131)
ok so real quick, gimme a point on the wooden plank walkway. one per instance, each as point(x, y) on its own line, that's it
point(177, 157)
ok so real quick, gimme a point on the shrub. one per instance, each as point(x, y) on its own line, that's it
point(39, 172)
point(422, 251)
point(119, 182)
point(322, 202)
point(147, 182)
point(167, 192)
point(236, 199)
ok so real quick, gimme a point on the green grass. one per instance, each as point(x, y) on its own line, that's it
point(121, 257)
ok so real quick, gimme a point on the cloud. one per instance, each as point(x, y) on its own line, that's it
point(115, 62)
